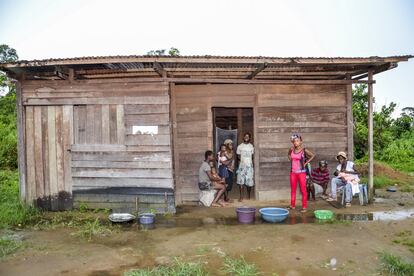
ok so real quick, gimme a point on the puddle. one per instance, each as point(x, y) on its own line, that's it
point(176, 222)
point(393, 215)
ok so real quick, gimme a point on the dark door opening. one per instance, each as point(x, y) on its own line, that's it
point(232, 123)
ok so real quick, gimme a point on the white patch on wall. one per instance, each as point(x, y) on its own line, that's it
point(145, 130)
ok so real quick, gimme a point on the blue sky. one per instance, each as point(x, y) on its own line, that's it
point(47, 28)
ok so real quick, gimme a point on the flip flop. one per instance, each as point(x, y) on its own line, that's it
point(303, 210)
point(330, 199)
point(291, 208)
point(215, 205)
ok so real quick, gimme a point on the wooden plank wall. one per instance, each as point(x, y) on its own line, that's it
point(194, 128)
point(83, 129)
point(317, 112)
point(48, 140)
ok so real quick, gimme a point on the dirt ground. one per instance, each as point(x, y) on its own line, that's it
point(298, 247)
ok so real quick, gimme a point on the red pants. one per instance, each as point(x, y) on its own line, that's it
point(294, 178)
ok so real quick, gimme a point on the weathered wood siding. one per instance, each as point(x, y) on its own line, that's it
point(317, 112)
point(79, 135)
point(48, 138)
point(193, 128)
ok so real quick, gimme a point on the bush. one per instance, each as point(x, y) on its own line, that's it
point(12, 211)
point(400, 153)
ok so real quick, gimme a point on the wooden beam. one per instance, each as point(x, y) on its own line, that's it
point(379, 69)
point(21, 149)
point(61, 73)
point(160, 70)
point(370, 139)
point(244, 81)
point(350, 120)
point(258, 70)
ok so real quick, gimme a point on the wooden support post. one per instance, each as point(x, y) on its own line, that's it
point(21, 150)
point(350, 120)
point(239, 126)
point(370, 139)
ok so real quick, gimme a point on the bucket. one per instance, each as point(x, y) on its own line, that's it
point(146, 218)
point(246, 214)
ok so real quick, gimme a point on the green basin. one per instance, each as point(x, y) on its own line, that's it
point(323, 214)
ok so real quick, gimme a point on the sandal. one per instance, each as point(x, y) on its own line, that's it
point(215, 205)
point(330, 199)
point(347, 204)
point(290, 208)
point(324, 196)
point(303, 210)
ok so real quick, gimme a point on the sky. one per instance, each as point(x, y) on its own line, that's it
point(59, 29)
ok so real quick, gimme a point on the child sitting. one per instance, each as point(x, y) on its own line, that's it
point(320, 176)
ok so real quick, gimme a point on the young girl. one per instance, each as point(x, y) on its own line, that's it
point(300, 158)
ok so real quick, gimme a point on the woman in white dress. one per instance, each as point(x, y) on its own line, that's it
point(245, 171)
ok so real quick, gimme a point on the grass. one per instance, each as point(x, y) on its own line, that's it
point(177, 268)
point(394, 265)
point(13, 213)
point(405, 238)
point(386, 175)
point(8, 246)
point(239, 267)
point(91, 229)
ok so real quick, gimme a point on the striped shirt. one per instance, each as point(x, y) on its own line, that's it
point(319, 176)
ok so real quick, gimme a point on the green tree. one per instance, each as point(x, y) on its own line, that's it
point(383, 123)
point(8, 133)
point(162, 52)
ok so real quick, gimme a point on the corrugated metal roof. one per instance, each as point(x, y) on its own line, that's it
point(253, 59)
point(207, 66)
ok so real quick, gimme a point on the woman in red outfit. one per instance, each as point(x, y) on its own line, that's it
point(300, 157)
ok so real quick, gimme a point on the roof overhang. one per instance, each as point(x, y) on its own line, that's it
point(204, 67)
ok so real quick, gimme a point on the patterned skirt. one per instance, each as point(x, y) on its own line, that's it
point(245, 176)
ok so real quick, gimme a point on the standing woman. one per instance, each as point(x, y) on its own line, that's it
point(245, 171)
point(300, 157)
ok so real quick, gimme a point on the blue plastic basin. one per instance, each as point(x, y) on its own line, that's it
point(146, 218)
point(273, 214)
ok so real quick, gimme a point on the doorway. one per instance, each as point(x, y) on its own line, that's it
point(232, 123)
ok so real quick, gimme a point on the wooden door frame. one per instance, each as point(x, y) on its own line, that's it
point(209, 105)
point(256, 153)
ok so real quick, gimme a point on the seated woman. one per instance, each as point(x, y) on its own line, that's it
point(207, 181)
point(320, 176)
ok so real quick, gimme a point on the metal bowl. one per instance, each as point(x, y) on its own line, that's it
point(121, 217)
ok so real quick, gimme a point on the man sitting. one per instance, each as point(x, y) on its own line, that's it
point(208, 182)
point(344, 170)
point(320, 176)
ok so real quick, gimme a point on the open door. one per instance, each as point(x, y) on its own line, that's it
point(232, 123)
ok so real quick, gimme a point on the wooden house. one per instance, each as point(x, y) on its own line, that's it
point(131, 131)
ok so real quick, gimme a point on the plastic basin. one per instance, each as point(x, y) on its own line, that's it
point(274, 214)
point(323, 214)
point(246, 214)
point(146, 218)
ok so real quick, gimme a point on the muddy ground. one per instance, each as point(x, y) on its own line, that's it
point(300, 246)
